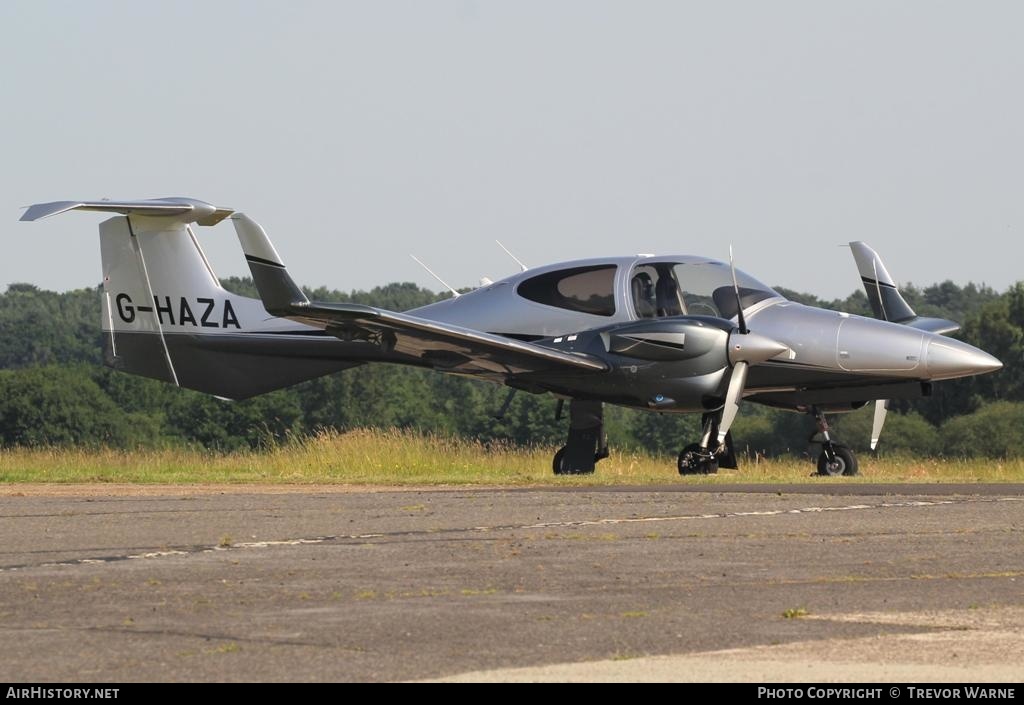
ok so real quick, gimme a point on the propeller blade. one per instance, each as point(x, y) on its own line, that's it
point(736, 288)
point(881, 406)
point(733, 396)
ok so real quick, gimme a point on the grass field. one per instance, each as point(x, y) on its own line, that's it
point(403, 458)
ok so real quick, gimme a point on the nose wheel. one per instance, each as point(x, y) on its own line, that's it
point(835, 460)
point(704, 458)
point(841, 462)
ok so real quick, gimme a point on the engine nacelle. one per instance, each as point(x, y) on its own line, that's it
point(670, 339)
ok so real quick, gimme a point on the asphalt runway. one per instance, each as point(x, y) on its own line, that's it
point(846, 582)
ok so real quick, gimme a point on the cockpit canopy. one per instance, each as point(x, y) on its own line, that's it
point(652, 287)
point(699, 288)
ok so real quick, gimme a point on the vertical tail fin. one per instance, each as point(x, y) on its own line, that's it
point(166, 316)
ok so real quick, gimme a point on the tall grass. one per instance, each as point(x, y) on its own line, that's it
point(392, 457)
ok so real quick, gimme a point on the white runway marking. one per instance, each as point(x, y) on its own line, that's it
point(187, 551)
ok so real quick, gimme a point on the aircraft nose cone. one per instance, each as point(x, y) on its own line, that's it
point(947, 358)
point(752, 347)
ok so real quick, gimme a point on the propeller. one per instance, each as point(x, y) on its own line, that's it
point(881, 406)
point(736, 288)
point(744, 348)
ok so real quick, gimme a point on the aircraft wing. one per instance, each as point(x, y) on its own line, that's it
point(442, 346)
point(388, 335)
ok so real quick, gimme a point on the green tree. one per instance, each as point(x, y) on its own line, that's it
point(229, 425)
point(62, 405)
point(40, 327)
point(993, 431)
point(908, 433)
point(664, 434)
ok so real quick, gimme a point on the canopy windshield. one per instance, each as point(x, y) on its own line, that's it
point(698, 288)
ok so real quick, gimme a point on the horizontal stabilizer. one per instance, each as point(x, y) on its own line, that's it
point(186, 210)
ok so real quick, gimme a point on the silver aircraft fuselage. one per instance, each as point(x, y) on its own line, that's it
point(834, 360)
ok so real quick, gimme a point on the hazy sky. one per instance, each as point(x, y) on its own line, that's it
point(359, 132)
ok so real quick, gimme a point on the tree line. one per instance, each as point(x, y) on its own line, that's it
point(55, 391)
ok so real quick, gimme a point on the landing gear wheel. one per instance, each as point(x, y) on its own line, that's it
point(843, 462)
point(557, 464)
point(694, 460)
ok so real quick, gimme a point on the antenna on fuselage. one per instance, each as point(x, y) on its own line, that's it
point(508, 252)
point(445, 284)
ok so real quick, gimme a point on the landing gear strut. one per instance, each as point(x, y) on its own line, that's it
point(586, 444)
point(835, 459)
point(703, 458)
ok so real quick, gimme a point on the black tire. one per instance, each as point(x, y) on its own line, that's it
point(844, 463)
point(556, 464)
point(693, 461)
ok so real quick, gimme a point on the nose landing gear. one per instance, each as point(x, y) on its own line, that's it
point(835, 459)
point(694, 460)
point(702, 458)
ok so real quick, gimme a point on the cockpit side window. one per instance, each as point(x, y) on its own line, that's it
point(641, 288)
point(667, 291)
point(655, 291)
point(698, 288)
point(582, 289)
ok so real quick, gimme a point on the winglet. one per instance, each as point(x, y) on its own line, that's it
point(278, 290)
point(887, 303)
point(187, 210)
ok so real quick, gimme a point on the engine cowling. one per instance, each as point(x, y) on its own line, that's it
point(671, 339)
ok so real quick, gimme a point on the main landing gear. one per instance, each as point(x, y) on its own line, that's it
point(586, 444)
point(834, 459)
point(703, 458)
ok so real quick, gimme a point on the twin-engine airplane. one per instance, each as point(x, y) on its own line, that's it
point(671, 334)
